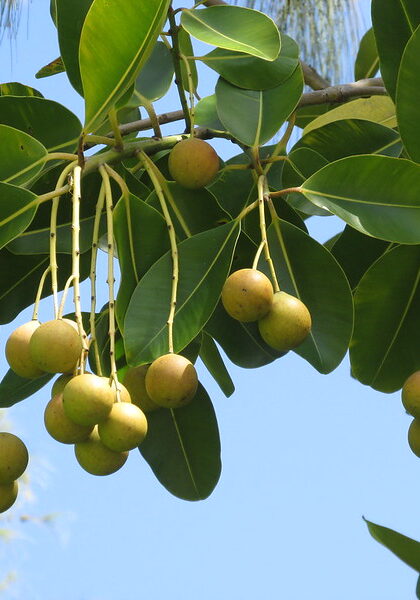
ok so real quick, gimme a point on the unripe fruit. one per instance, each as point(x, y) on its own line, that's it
point(247, 295)
point(8, 495)
point(134, 381)
point(13, 457)
point(193, 163)
point(414, 437)
point(124, 429)
point(287, 324)
point(410, 394)
point(17, 351)
point(171, 381)
point(88, 399)
point(55, 347)
point(60, 427)
point(97, 459)
point(60, 383)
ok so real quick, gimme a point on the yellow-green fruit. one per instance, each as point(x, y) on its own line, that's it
point(17, 351)
point(60, 383)
point(171, 381)
point(287, 324)
point(60, 427)
point(247, 295)
point(410, 394)
point(8, 495)
point(134, 381)
point(193, 163)
point(414, 437)
point(95, 458)
point(13, 457)
point(124, 429)
point(88, 399)
point(55, 347)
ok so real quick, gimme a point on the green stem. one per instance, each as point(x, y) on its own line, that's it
point(282, 143)
point(100, 139)
point(39, 293)
point(176, 54)
point(151, 113)
point(262, 195)
point(113, 119)
point(92, 276)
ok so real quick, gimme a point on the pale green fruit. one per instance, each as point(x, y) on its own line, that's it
point(60, 383)
point(410, 395)
point(247, 295)
point(60, 427)
point(8, 495)
point(124, 429)
point(13, 457)
point(56, 347)
point(193, 163)
point(88, 399)
point(171, 381)
point(134, 381)
point(95, 458)
point(414, 437)
point(17, 351)
point(287, 324)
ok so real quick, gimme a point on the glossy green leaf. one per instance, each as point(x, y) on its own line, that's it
point(306, 114)
point(351, 136)
point(254, 117)
point(126, 114)
point(70, 17)
point(14, 389)
point(135, 27)
point(52, 68)
point(182, 448)
point(253, 73)
point(407, 549)
point(21, 156)
point(367, 60)
point(199, 288)
point(13, 88)
point(408, 89)
point(393, 23)
point(206, 113)
point(12, 200)
point(384, 349)
point(307, 270)
point(301, 164)
point(142, 238)
point(210, 355)
point(186, 48)
point(155, 78)
point(234, 28)
point(377, 195)
point(35, 115)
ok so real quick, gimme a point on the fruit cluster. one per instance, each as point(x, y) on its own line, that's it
point(13, 462)
point(410, 396)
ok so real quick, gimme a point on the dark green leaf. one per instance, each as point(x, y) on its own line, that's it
point(21, 156)
point(155, 77)
point(52, 68)
point(407, 549)
point(14, 389)
point(213, 361)
point(13, 88)
point(306, 114)
point(367, 61)
point(12, 200)
point(206, 113)
point(301, 164)
point(186, 48)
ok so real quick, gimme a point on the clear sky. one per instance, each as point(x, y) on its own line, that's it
point(304, 457)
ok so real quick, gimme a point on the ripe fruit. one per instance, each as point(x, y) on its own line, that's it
point(60, 427)
point(55, 347)
point(247, 295)
point(134, 381)
point(414, 437)
point(171, 381)
point(193, 163)
point(97, 459)
point(88, 399)
point(17, 351)
point(13, 457)
point(124, 429)
point(410, 394)
point(8, 495)
point(287, 324)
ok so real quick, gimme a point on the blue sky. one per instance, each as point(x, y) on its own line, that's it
point(304, 457)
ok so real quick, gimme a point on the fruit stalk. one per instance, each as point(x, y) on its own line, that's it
point(282, 143)
point(92, 277)
point(176, 53)
point(262, 196)
point(190, 91)
point(39, 293)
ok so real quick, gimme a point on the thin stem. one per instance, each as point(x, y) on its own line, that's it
point(262, 195)
point(282, 143)
point(119, 180)
point(258, 255)
point(247, 210)
point(115, 126)
point(176, 53)
point(190, 91)
point(113, 377)
point(60, 156)
point(149, 108)
point(39, 293)
point(152, 172)
point(64, 296)
point(100, 139)
point(285, 192)
point(95, 242)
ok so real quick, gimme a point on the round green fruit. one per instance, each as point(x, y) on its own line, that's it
point(60, 427)
point(8, 495)
point(171, 381)
point(414, 437)
point(17, 351)
point(410, 395)
point(134, 381)
point(13, 457)
point(124, 429)
point(60, 383)
point(247, 295)
point(88, 399)
point(193, 163)
point(55, 347)
point(287, 324)
point(95, 458)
